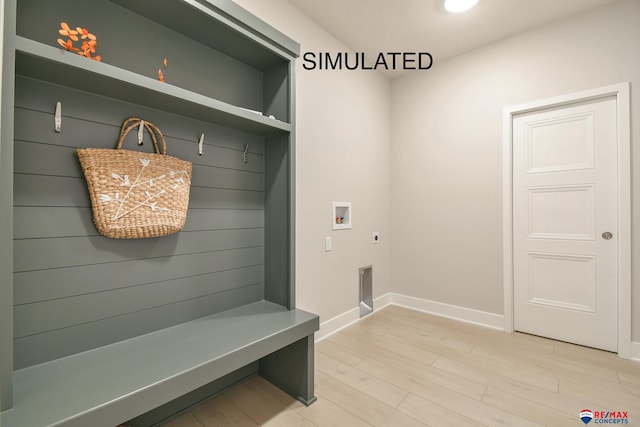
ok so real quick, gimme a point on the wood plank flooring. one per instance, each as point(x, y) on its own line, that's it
point(399, 367)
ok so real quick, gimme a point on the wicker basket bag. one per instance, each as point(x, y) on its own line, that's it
point(135, 194)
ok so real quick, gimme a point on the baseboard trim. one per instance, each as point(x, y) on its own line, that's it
point(468, 315)
point(635, 351)
point(341, 321)
point(489, 320)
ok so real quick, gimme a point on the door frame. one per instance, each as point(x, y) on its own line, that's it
point(621, 92)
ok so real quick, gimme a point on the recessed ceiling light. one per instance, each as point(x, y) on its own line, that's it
point(457, 6)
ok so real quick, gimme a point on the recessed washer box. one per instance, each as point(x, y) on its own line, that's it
point(341, 215)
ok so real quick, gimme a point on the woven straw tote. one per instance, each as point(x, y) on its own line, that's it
point(134, 194)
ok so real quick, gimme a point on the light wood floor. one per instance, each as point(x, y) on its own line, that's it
point(399, 367)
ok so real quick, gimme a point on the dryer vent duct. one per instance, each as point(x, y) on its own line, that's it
point(366, 290)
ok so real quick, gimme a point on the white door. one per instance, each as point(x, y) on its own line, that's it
point(565, 223)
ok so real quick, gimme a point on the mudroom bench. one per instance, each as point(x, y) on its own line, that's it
point(115, 383)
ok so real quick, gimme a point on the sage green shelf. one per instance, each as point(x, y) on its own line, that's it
point(42, 62)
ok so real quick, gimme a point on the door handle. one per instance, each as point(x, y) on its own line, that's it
point(607, 235)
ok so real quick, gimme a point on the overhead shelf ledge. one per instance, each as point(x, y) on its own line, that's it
point(42, 62)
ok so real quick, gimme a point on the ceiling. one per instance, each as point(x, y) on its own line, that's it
point(374, 26)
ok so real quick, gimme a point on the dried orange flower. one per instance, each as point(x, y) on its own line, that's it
point(66, 31)
point(89, 47)
point(160, 73)
point(68, 45)
point(84, 34)
point(89, 42)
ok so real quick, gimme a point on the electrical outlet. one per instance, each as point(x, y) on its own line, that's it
point(376, 237)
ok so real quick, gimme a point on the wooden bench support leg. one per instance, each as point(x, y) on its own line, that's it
point(292, 369)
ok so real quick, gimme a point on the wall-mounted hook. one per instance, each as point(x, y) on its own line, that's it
point(200, 145)
point(244, 153)
point(57, 119)
point(141, 132)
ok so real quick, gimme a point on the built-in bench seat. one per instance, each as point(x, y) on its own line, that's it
point(112, 384)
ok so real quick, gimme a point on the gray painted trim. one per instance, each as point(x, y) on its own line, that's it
point(6, 208)
point(292, 369)
point(292, 186)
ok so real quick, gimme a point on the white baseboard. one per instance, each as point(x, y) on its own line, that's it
point(489, 320)
point(468, 315)
point(341, 321)
point(635, 351)
point(382, 302)
point(481, 318)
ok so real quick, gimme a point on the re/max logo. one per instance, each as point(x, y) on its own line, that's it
point(613, 414)
point(604, 417)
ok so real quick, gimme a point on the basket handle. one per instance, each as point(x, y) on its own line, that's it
point(131, 123)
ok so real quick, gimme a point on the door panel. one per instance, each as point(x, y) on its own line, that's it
point(562, 281)
point(560, 144)
point(562, 212)
point(564, 198)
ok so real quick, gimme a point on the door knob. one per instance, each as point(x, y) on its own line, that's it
point(607, 235)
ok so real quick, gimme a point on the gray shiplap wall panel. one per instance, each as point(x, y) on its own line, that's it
point(42, 285)
point(39, 190)
point(188, 150)
point(75, 290)
point(223, 219)
point(220, 198)
point(39, 348)
point(37, 222)
point(44, 159)
point(205, 176)
point(65, 312)
point(36, 190)
point(42, 97)
point(36, 126)
point(41, 254)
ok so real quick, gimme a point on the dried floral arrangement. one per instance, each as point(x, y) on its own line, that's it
point(160, 73)
point(89, 41)
point(89, 45)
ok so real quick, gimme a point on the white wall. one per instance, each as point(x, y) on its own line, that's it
point(447, 149)
point(444, 204)
point(343, 154)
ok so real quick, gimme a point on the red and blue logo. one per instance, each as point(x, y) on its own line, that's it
point(604, 417)
point(586, 416)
